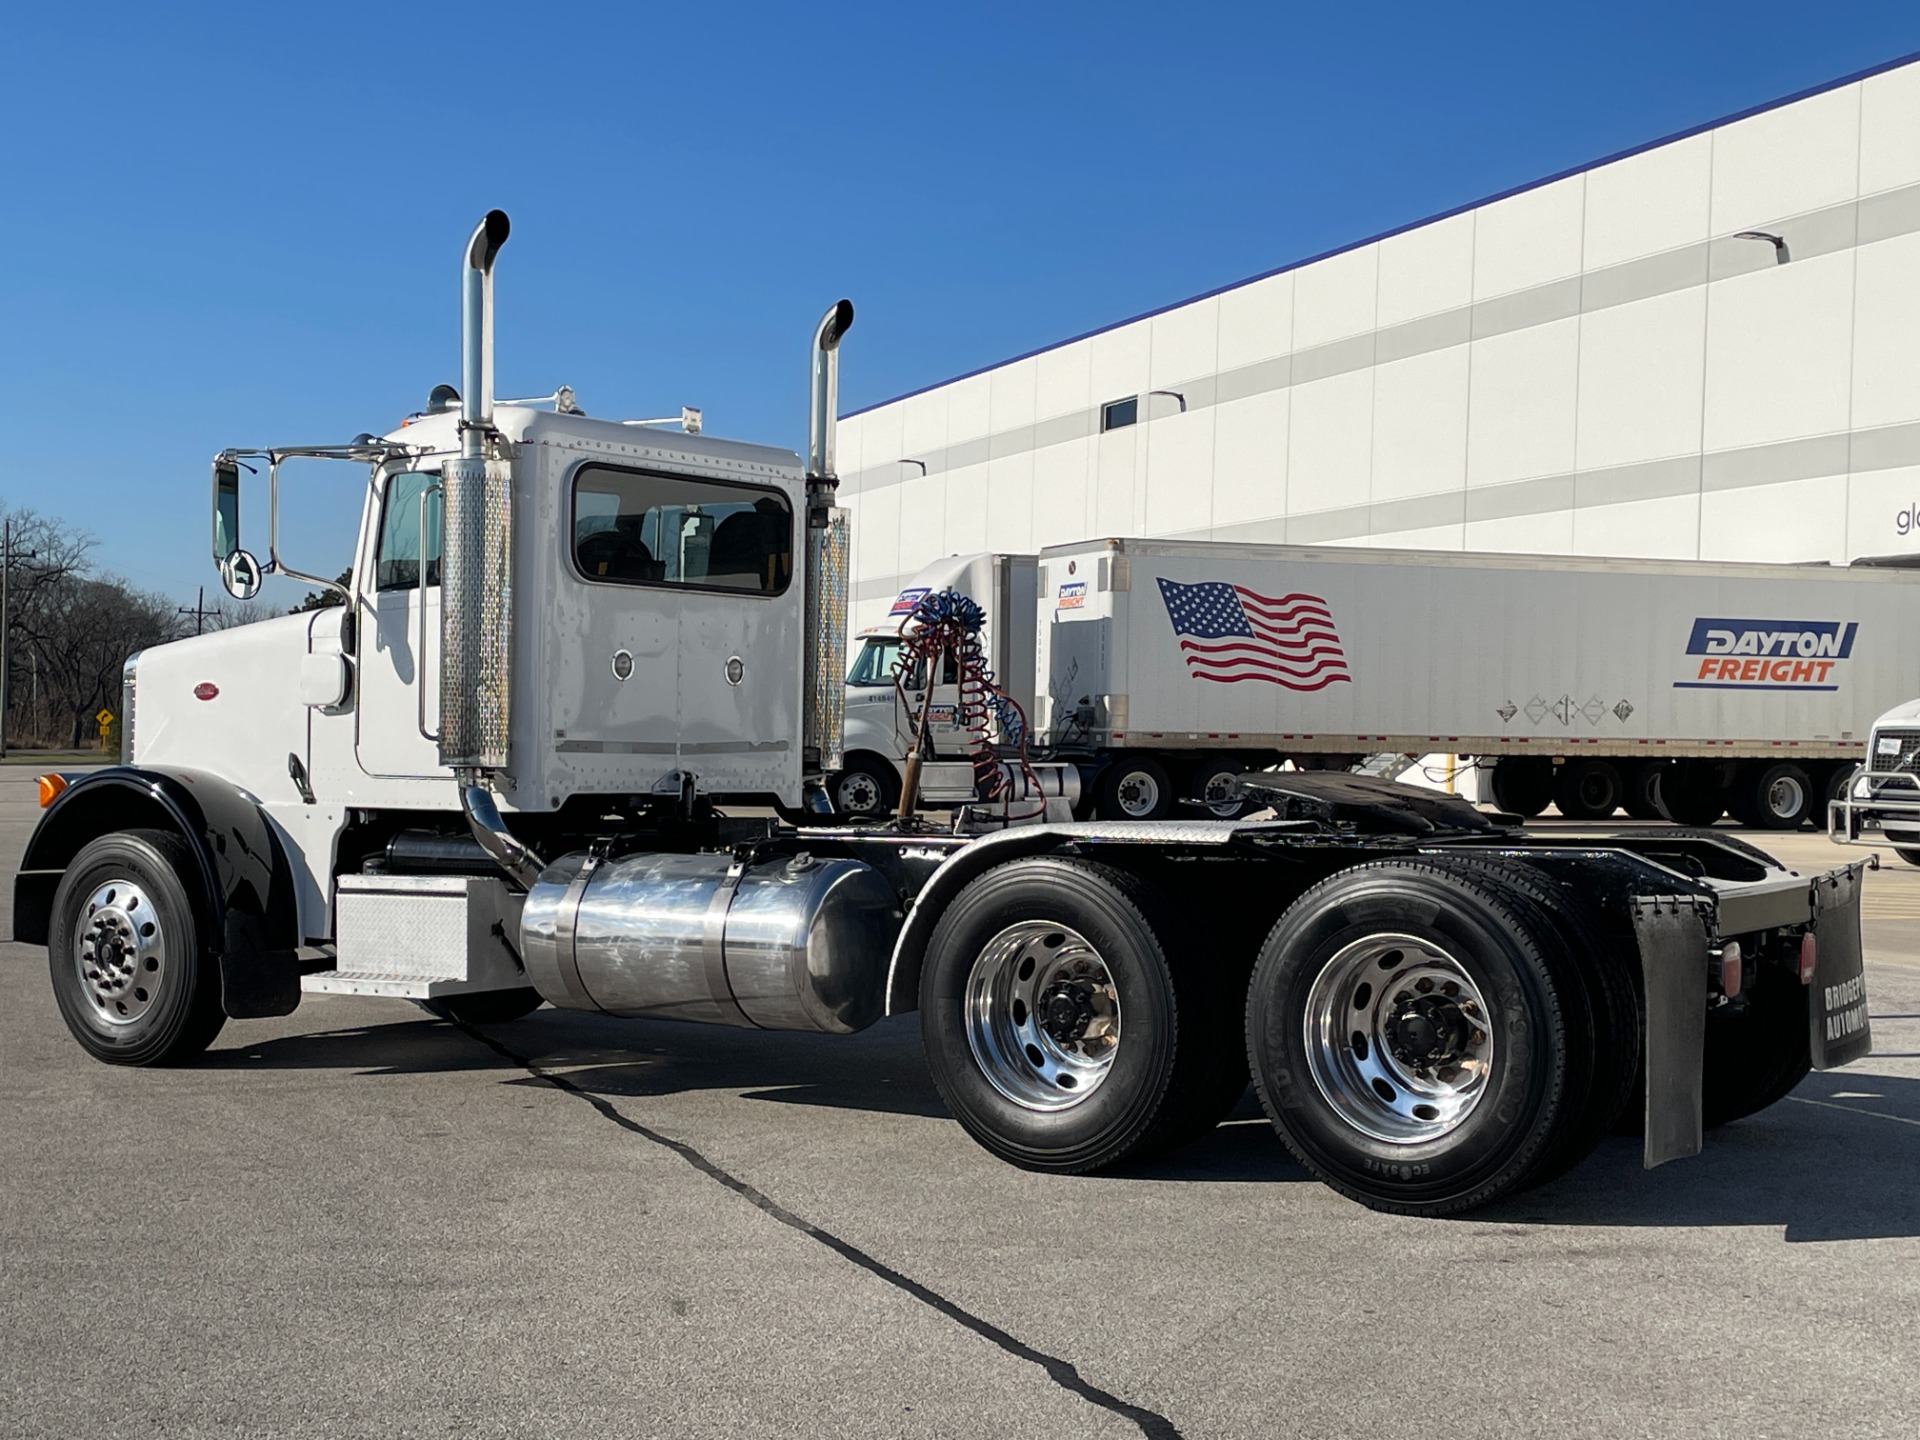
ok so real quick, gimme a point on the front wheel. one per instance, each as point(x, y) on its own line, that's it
point(132, 973)
point(1063, 1025)
point(485, 1007)
point(866, 790)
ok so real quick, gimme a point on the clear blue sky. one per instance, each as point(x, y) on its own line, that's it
point(241, 224)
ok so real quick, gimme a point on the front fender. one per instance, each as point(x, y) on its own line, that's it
point(241, 879)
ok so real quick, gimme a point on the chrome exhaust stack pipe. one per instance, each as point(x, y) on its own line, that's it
point(827, 559)
point(476, 575)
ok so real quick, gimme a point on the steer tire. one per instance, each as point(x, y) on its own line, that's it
point(1165, 1069)
point(866, 789)
point(150, 930)
point(1394, 916)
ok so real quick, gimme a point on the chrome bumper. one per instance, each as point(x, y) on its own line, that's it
point(1892, 798)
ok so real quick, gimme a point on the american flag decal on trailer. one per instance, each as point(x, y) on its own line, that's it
point(1229, 633)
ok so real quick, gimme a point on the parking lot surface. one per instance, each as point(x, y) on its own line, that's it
point(360, 1221)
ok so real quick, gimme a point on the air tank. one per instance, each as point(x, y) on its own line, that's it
point(785, 943)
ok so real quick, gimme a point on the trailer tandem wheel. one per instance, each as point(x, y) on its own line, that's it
point(1421, 1042)
point(133, 977)
point(1065, 1024)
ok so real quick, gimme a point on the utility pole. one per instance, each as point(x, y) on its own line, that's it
point(7, 556)
point(199, 612)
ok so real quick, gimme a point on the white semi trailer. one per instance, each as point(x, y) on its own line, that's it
point(1161, 669)
point(510, 768)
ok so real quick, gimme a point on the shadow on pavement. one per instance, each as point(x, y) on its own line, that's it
point(1837, 1160)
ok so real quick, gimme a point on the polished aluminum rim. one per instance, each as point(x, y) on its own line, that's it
point(1138, 794)
point(120, 953)
point(1043, 1015)
point(857, 793)
point(1399, 1039)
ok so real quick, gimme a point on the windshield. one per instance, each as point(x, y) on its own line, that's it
point(874, 664)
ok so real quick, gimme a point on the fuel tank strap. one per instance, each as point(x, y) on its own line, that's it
point(566, 928)
point(714, 948)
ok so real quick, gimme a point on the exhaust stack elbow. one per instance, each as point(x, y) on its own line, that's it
point(476, 331)
point(826, 391)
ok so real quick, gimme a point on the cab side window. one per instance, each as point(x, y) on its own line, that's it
point(637, 527)
point(397, 556)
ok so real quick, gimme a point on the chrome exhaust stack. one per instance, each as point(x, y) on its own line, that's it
point(827, 558)
point(476, 575)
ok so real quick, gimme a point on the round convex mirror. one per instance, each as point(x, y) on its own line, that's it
point(240, 573)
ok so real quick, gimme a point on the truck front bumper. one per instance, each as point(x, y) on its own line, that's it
point(1880, 808)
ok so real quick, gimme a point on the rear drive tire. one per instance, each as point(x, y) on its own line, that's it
point(1758, 1052)
point(1908, 853)
point(1522, 787)
point(132, 973)
point(485, 1007)
point(1419, 1101)
point(1587, 789)
point(1135, 787)
point(1063, 1023)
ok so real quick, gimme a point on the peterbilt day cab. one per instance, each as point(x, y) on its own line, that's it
point(527, 760)
point(1159, 669)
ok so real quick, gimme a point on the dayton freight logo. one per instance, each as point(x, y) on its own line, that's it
point(1768, 654)
point(906, 600)
point(1073, 595)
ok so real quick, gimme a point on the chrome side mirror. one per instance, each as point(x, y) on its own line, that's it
point(240, 573)
point(226, 511)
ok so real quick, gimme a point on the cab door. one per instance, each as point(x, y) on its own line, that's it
point(399, 638)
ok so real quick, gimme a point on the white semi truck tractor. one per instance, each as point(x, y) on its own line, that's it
point(1160, 669)
point(529, 759)
point(1880, 802)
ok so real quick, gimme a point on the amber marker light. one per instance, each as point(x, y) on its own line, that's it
point(50, 788)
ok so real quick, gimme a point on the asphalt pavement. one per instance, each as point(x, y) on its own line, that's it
point(358, 1221)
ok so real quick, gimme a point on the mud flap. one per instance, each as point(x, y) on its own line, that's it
point(1837, 1014)
point(1672, 934)
point(255, 983)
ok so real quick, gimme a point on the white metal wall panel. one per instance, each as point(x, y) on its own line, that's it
point(1524, 385)
point(1592, 364)
point(1426, 270)
point(1649, 203)
point(1640, 376)
point(1420, 425)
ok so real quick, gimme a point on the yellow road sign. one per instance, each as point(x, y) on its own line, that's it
point(105, 717)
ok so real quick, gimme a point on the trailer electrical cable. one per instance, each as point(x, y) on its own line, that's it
point(945, 624)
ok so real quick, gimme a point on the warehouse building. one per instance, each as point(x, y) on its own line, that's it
point(1705, 348)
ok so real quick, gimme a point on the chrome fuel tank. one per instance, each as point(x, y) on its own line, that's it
point(793, 943)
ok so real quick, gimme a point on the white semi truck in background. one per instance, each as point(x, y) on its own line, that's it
point(528, 757)
point(1161, 669)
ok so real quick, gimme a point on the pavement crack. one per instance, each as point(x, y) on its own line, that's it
point(1063, 1373)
